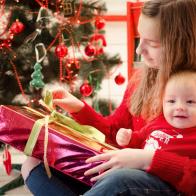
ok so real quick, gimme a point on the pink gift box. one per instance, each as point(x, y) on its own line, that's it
point(67, 149)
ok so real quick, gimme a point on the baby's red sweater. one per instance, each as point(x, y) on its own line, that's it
point(176, 167)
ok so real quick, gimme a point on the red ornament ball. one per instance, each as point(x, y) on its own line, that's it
point(119, 79)
point(86, 89)
point(61, 51)
point(90, 50)
point(16, 27)
point(100, 23)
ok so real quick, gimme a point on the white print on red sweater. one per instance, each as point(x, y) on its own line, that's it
point(157, 138)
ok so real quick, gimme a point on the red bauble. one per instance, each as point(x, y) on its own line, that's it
point(90, 50)
point(61, 51)
point(16, 27)
point(86, 89)
point(99, 23)
point(119, 79)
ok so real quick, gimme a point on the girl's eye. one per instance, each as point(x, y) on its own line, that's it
point(154, 44)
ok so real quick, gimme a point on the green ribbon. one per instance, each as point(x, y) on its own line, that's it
point(33, 136)
point(55, 116)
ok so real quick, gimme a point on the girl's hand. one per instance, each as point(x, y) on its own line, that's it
point(123, 136)
point(125, 158)
point(67, 101)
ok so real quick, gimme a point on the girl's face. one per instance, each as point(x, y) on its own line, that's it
point(149, 46)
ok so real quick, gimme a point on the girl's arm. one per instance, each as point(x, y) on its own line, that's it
point(180, 171)
point(175, 169)
point(85, 114)
point(109, 125)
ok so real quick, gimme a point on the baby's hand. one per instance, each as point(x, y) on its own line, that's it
point(123, 136)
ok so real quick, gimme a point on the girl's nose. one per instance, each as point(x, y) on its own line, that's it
point(140, 48)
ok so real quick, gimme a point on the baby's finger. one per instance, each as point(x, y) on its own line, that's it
point(128, 131)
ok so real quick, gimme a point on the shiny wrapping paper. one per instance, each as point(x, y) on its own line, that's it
point(67, 149)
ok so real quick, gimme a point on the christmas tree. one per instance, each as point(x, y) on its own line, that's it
point(48, 41)
point(52, 41)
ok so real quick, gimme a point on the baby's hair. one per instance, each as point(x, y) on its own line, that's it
point(183, 75)
point(184, 78)
point(181, 79)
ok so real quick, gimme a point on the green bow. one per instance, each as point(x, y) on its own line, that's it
point(55, 116)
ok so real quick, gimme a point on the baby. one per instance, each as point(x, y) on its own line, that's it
point(178, 119)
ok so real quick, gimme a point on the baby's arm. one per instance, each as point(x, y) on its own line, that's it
point(123, 137)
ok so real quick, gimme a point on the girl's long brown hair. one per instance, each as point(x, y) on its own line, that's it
point(178, 40)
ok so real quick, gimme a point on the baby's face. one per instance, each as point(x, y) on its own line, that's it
point(179, 103)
